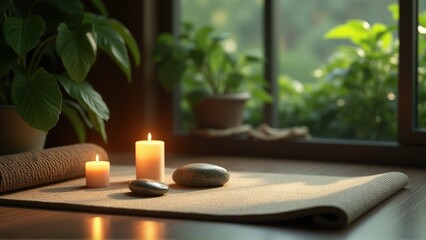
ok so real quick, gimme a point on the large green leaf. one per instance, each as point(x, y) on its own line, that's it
point(252, 58)
point(75, 105)
point(383, 35)
point(394, 9)
point(170, 73)
point(128, 39)
point(203, 38)
point(75, 119)
point(422, 20)
point(198, 56)
point(234, 81)
point(23, 34)
point(354, 30)
point(98, 124)
point(115, 39)
point(112, 43)
point(37, 98)
point(77, 49)
point(261, 95)
point(84, 93)
point(163, 49)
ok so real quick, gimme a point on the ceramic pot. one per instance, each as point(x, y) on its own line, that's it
point(16, 135)
point(221, 111)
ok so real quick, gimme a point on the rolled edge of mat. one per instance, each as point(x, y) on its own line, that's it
point(50, 165)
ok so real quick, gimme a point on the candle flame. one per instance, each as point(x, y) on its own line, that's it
point(149, 136)
point(97, 158)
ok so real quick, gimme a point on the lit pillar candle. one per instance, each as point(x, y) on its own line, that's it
point(97, 173)
point(150, 159)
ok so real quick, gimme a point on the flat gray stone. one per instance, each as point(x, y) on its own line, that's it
point(200, 175)
point(148, 188)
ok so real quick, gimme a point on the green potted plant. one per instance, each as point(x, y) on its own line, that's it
point(217, 78)
point(47, 50)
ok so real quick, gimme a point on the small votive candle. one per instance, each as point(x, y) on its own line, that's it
point(150, 159)
point(97, 173)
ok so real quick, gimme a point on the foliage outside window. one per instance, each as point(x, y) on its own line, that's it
point(421, 77)
point(244, 38)
point(359, 77)
point(352, 95)
point(355, 94)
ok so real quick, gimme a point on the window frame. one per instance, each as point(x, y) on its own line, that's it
point(406, 151)
point(408, 131)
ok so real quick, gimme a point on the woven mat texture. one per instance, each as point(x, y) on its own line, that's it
point(247, 197)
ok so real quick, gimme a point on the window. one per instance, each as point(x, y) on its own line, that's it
point(284, 71)
point(334, 60)
point(421, 73)
point(411, 84)
point(245, 36)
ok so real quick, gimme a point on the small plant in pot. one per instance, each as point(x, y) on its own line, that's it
point(217, 78)
point(47, 50)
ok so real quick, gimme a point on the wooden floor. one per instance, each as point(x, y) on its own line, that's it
point(403, 216)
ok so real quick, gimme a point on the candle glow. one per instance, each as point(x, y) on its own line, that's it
point(97, 173)
point(148, 230)
point(97, 231)
point(149, 156)
point(97, 227)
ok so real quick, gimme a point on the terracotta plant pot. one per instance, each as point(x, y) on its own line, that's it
point(221, 111)
point(16, 135)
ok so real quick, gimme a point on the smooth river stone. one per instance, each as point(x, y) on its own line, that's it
point(200, 175)
point(148, 188)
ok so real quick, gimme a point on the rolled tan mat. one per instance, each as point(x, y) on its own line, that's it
point(330, 201)
point(50, 165)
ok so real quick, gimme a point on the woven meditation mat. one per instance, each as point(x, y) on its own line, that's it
point(34, 168)
point(247, 197)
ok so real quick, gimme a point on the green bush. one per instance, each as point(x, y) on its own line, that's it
point(354, 96)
